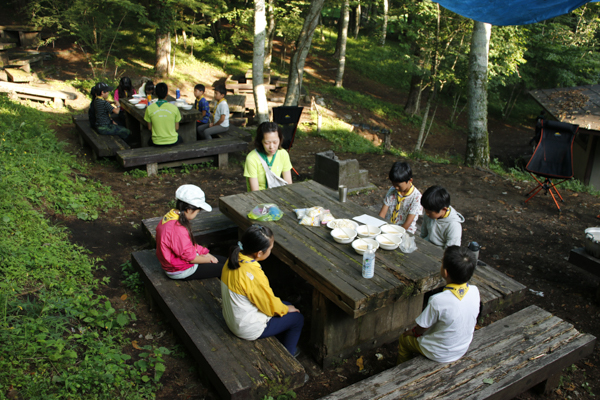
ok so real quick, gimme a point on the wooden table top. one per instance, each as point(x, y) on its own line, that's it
point(186, 115)
point(335, 269)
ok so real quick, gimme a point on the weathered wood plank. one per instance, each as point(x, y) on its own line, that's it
point(17, 88)
point(517, 353)
point(17, 75)
point(497, 290)
point(101, 145)
point(207, 228)
point(238, 369)
point(6, 46)
point(203, 148)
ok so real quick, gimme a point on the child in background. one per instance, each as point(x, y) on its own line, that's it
point(445, 328)
point(176, 248)
point(201, 104)
point(441, 223)
point(250, 308)
point(220, 122)
point(402, 202)
point(123, 91)
point(103, 110)
point(147, 88)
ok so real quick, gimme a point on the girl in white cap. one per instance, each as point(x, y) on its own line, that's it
point(179, 254)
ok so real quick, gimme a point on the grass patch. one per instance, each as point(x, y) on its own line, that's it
point(59, 339)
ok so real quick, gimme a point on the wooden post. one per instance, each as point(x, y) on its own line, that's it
point(152, 169)
point(222, 160)
point(387, 141)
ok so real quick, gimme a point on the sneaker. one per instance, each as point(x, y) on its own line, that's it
point(298, 352)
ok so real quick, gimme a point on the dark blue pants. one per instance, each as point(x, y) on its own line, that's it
point(113, 129)
point(286, 329)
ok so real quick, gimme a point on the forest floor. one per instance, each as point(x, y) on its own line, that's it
point(530, 243)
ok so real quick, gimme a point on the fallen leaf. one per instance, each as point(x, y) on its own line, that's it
point(124, 297)
point(135, 345)
point(589, 364)
point(360, 364)
point(559, 392)
point(489, 381)
point(507, 274)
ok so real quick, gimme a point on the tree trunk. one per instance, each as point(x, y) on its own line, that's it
point(258, 62)
point(478, 145)
point(357, 21)
point(340, 26)
point(421, 137)
point(270, 34)
point(163, 53)
point(345, 19)
point(303, 46)
point(385, 21)
point(414, 95)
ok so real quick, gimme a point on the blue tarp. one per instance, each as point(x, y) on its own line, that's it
point(511, 12)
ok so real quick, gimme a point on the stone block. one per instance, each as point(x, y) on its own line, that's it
point(333, 172)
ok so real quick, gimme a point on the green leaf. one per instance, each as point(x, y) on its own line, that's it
point(488, 381)
point(145, 378)
point(71, 354)
point(122, 320)
point(6, 219)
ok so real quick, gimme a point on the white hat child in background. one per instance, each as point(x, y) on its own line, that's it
point(193, 195)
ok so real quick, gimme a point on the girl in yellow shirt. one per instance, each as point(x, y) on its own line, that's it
point(250, 308)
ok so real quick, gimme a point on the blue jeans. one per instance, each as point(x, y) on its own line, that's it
point(286, 329)
point(115, 130)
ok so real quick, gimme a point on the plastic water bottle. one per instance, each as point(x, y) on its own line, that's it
point(368, 265)
point(177, 93)
point(474, 247)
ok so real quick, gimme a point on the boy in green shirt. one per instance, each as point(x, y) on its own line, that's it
point(163, 119)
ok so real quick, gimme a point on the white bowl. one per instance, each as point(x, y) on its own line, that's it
point(336, 222)
point(343, 235)
point(187, 107)
point(388, 242)
point(393, 229)
point(368, 231)
point(135, 101)
point(137, 96)
point(360, 245)
point(141, 106)
point(181, 100)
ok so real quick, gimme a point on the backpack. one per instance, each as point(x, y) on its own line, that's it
point(92, 115)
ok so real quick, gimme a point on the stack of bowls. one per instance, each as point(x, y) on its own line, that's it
point(361, 245)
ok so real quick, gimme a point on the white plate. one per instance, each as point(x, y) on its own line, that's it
point(333, 224)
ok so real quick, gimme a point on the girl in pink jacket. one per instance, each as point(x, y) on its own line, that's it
point(179, 254)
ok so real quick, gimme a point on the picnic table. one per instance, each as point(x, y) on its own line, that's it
point(137, 125)
point(348, 311)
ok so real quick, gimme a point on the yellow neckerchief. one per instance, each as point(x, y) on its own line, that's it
point(400, 200)
point(212, 112)
point(198, 103)
point(170, 216)
point(447, 213)
point(459, 290)
point(247, 260)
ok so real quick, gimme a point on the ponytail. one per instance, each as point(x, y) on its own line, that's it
point(182, 207)
point(254, 239)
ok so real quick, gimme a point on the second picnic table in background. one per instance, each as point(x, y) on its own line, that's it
point(136, 123)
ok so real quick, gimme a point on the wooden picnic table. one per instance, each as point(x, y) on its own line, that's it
point(136, 123)
point(348, 311)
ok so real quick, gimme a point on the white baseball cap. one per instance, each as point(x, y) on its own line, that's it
point(193, 195)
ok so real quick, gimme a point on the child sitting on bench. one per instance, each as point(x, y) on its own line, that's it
point(445, 328)
point(176, 248)
point(100, 112)
point(250, 308)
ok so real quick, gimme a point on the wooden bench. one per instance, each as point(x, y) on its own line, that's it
point(31, 92)
point(580, 258)
point(527, 349)
point(155, 158)
point(237, 368)
point(209, 228)
point(496, 290)
point(26, 35)
point(101, 145)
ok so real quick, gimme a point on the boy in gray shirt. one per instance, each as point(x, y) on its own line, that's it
point(441, 222)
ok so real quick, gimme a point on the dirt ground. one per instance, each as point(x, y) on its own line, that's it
point(530, 243)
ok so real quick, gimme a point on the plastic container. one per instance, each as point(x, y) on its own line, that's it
point(474, 247)
point(149, 99)
point(368, 264)
point(177, 93)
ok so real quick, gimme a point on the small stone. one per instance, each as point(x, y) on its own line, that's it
point(504, 193)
